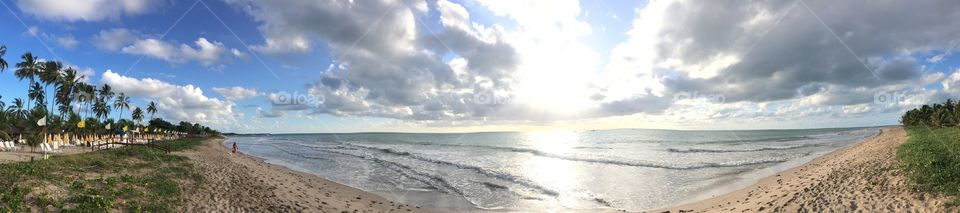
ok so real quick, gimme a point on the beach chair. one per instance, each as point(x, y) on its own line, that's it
point(55, 147)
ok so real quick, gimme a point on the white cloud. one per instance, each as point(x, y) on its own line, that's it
point(85, 10)
point(952, 82)
point(114, 39)
point(67, 42)
point(206, 52)
point(177, 102)
point(33, 31)
point(236, 93)
point(239, 54)
point(154, 48)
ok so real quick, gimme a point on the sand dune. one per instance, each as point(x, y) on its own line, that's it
point(241, 183)
point(860, 178)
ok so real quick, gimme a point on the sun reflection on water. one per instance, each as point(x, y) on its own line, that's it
point(553, 173)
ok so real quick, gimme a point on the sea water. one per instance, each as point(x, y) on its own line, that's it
point(630, 169)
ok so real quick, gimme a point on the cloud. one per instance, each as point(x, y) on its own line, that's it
point(85, 10)
point(387, 65)
point(269, 113)
point(206, 52)
point(114, 39)
point(67, 42)
point(771, 51)
point(952, 82)
point(236, 93)
point(177, 102)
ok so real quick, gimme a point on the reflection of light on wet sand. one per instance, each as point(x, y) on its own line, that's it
point(555, 174)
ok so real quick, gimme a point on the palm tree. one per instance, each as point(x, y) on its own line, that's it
point(87, 96)
point(106, 93)
point(152, 109)
point(50, 74)
point(36, 93)
point(29, 68)
point(66, 90)
point(5, 121)
point(17, 108)
point(137, 115)
point(122, 102)
point(936, 115)
point(3, 63)
point(101, 109)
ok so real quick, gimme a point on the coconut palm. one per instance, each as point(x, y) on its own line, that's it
point(101, 109)
point(106, 93)
point(36, 93)
point(152, 109)
point(28, 68)
point(3, 63)
point(122, 102)
point(87, 96)
point(16, 107)
point(50, 74)
point(936, 115)
point(66, 91)
point(137, 115)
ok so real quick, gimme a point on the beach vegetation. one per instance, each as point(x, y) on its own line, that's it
point(931, 155)
point(132, 178)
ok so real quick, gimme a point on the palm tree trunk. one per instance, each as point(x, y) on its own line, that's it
point(29, 99)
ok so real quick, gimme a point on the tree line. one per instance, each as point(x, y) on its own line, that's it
point(58, 101)
point(937, 115)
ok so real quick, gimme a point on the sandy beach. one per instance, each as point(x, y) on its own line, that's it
point(25, 153)
point(862, 177)
point(242, 183)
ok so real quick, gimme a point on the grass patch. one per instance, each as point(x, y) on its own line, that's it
point(931, 158)
point(135, 178)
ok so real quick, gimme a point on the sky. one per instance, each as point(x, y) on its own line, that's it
point(301, 66)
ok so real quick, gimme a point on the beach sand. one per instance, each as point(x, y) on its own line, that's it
point(242, 183)
point(859, 178)
point(24, 153)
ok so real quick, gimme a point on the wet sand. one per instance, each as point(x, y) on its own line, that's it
point(860, 178)
point(242, 183)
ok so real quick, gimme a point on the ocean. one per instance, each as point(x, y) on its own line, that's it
point(630, 169)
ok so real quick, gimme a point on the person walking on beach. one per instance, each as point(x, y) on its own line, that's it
point(234, 147)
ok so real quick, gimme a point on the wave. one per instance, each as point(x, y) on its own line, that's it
point(434, 181)
point(494, 174)
point(695, 150)
point(587, 160)
point(783, 139)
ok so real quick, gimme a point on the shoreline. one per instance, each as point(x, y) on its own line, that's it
point(240, 182)
point(860, 176)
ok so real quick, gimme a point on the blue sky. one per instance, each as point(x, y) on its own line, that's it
point(417, 65)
